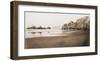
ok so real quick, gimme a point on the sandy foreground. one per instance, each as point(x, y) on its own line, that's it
point(78, 38)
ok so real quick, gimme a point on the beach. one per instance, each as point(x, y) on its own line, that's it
point(73, 39)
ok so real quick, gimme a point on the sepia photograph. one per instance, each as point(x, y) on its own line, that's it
point(56, 29)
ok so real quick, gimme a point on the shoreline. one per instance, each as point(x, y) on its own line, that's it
point(79, 38)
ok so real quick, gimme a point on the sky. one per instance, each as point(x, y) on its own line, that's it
point(49, 19)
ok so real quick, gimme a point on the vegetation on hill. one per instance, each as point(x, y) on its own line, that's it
point(80, 24)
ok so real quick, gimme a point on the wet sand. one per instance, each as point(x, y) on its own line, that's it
point(78, 38)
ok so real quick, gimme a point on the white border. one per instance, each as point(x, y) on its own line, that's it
point(46, 51)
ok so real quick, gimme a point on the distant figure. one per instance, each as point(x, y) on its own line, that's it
point(33, 32)
point(48, 32)
point(40, 33)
